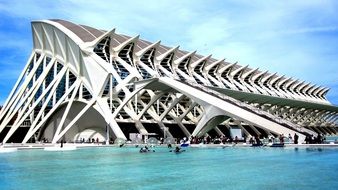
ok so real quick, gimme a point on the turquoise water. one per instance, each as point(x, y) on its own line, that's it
point(197, 168)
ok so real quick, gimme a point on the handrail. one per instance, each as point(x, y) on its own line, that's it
point(252, 109)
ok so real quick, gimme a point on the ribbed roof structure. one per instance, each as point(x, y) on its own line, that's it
point(81, 82)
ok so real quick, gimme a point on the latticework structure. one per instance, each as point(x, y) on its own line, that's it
point(79, 79)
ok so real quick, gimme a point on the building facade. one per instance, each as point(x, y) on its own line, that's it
point(81, 82)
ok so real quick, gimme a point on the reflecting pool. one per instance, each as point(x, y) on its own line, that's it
point(196, 168)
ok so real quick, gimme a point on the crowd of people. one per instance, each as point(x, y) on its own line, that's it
point(217, 140)
point(281, 139)
point(89, 140)
point(310, 139)
point(222, 139)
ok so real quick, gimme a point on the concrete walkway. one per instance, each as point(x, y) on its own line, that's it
point(19, 146)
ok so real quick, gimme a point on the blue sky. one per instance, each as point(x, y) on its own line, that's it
point(295, 38)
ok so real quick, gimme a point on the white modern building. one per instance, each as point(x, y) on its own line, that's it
point(81, 82)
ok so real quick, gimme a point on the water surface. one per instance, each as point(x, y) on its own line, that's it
point(196, 168)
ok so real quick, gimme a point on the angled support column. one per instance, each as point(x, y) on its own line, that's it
point(191, 106)
point(333, 131)
point(69, 105)
point(26, 114)
point(171, 106)
point(63, 132)
point(162, 126)
point(211, 117)
point(140, 127)
point(239, 124)
point(46, 117)
point(138, 124)
point(254, 129)
point(183, 128)
point(109, 118)
point(16, 96)
point(152, 101)
point(218, 131)
point(327, 130)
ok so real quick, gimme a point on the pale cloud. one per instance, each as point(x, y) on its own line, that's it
point(14, 41)
point(209, 31)
point(312, 30)
point(29, 9)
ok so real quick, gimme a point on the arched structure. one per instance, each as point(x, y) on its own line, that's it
point(80, 80)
